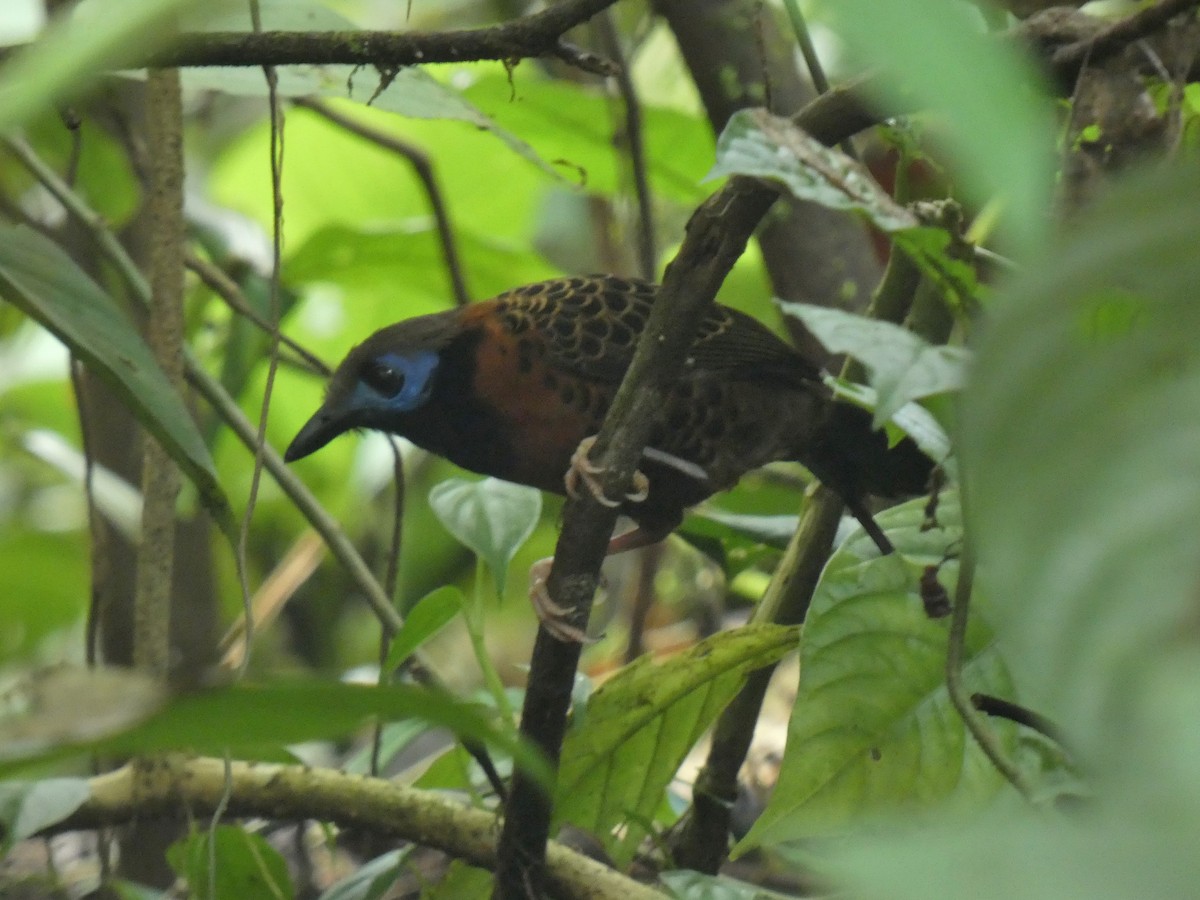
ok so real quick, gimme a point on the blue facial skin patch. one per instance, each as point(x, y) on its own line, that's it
point(417, 367)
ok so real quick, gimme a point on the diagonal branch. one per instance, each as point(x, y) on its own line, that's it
point(716, 236)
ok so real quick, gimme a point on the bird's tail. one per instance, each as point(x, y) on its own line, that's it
point(855, 460)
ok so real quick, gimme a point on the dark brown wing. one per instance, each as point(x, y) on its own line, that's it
point(589, 326)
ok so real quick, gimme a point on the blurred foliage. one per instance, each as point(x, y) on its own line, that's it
point(1076, 424)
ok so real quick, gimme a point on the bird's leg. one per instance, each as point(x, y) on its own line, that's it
point(859, 510)
point(582, 469)
point(552, 615)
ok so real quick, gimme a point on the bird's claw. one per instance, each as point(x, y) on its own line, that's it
point(553, 616)
point(582, 469)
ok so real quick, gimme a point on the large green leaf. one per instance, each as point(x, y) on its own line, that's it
point(241, 718)
point(638, 727)
point(873, 729)
point(491, 517)
point(1079, 437)
point(934, 55)
point(1080, 429)
point(42, 281)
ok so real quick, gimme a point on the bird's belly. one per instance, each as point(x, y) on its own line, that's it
point(541, 414)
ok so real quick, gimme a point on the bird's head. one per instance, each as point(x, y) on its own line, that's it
point(388, 375)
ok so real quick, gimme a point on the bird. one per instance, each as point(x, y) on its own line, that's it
point(517, 386)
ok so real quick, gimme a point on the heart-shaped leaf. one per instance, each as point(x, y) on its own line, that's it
point(492, 517)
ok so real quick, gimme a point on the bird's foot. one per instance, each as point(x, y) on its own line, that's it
point(583, 470)
point(553, 616)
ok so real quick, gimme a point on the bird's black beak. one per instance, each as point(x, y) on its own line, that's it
point(318, 431)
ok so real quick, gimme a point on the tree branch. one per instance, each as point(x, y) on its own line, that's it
point(1117, 36)
point(539, 34)
point(716, 236)
point(161, 479)
point(168, 786)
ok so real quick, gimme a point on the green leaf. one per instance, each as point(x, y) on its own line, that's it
point(684, 884)
point(70, 707)
point(1124, 853)
point(639, 725)
point(431, 613)
point(461, 882)
point(774, 531)
point(244, 717)
point(410, 92)
point(569, 123)
point(901, 366)
point(934, 55)
point(491, 517)
point(246, 865)
point(26, 807)
point(754, 142)
point(97, 36)
point(370, 881)
point(759, 144)
point(873, 730)
point(43, 282)
point(1079, 437)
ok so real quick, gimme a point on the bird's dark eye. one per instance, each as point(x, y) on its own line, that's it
point(385, 379)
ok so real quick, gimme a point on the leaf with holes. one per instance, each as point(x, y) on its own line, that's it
point(759, 144)
point(638, 727)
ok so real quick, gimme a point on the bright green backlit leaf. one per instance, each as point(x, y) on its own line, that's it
point(491, 517)
point(431, 613)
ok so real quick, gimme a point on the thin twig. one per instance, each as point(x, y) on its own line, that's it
point(423, 167)
point(1014, 712)
point(217, 281)
point(390, 577)
point(275, 149)
point(960, 697)
point(812, 61)
point(703, 842)
point(636, 145)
